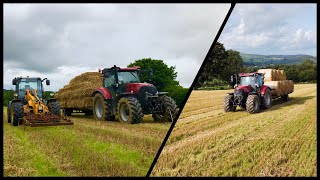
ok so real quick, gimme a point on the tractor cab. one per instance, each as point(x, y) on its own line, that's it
point(249, 81)
point(22, 84)
point(121, 81)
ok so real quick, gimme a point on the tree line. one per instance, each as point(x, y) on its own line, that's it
point(222, 63)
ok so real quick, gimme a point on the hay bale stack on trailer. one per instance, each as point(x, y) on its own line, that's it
point(278, 83)
point(77, 95)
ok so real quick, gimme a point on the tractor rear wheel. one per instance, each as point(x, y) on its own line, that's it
point(129, 110)
point(228, 105)
point(16, 113)
point(100, 109)
point(266, 101)
point(169, 106)
point(252, 104)
point(285, 97)
point(54, 107)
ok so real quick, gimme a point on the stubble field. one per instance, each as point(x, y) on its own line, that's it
point(88, 148)
point(206, 141)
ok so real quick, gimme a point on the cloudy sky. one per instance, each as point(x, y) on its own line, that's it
point(272, 29)
point(60, 41)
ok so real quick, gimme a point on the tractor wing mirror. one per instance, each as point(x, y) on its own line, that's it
point(14, 82)
point(47, 82)
point(231, 78)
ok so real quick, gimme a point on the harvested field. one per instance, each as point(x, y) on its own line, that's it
point(88, 148)
point(206, 141)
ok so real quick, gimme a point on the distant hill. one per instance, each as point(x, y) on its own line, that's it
point(262, 60)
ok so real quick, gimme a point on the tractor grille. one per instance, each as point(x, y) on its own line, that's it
point(143, 93)
point(238, 91)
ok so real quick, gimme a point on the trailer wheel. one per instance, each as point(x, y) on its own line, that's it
point(285, 97)
point(129, 110)
point(252, 104)
point(228, 105)
point(54, 107)
point(267, 99)
point(16, 113)
point(67, 111)
point(168, 105)
point(100, 109)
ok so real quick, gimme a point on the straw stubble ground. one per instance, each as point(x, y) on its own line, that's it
point(88, 148)
point(206, 141)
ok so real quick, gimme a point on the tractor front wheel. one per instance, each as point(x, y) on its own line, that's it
point(228, 104)
point(100, 109)
point(16, 112)
point(169, 107)
point(129, 110)
point(54, 107)
point(252, 104)
point(266, 102)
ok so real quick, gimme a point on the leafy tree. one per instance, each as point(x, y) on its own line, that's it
point(233, 64)
point(163, 75)
point(46, 94)
point(214, 65)
point(7, 96)
point(221, 64)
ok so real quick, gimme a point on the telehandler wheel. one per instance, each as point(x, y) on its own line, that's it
point(169, 106)
point(129, 110)
point(228, 105)
point(100, 109)
point(267, 99)
point(54, 107)
point(285, 97)
point(253, 104)
point(16, 113)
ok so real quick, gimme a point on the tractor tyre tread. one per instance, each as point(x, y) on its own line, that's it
point(17, 108)
point(135, 114)
point(227, 104)
point(250, 104)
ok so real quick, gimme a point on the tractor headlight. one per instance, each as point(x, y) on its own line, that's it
point(40, 107)
point(51, 94)
point(15, 95)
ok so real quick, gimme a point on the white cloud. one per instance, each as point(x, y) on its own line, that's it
point(270, 29)
point(41, 38)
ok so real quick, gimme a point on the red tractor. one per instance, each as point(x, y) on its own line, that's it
point(251, 94)
point(124, 95)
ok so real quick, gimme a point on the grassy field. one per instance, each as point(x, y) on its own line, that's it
point(88, 148)
point(206, 141)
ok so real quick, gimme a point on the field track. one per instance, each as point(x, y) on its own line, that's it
point(88, 148)
point(206, 141)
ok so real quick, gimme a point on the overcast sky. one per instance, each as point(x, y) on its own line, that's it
point(60, 41)
point(272, 29)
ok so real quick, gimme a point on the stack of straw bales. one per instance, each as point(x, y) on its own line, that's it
point(276, 80)
point(77, 94)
